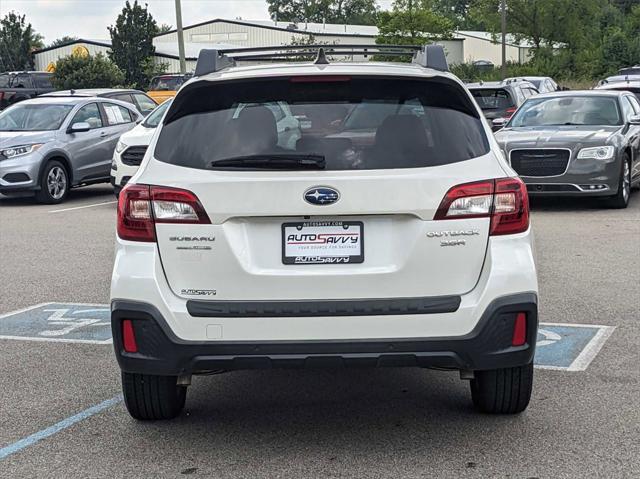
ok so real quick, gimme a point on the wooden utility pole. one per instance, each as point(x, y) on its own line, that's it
point(183, 63)
point(503, 13)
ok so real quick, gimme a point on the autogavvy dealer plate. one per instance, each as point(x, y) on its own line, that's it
point(323, 242)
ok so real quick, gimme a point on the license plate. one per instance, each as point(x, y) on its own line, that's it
point(323, 242)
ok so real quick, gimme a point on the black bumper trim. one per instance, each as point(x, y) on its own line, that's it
point(305, 309)
point(488, 346)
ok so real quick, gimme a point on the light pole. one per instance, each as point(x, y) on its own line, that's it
point(503, 13)
point(183, 64)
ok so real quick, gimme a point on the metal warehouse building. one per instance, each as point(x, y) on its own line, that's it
point(465, 46)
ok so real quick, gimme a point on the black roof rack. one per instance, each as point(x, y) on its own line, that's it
point(210, 61)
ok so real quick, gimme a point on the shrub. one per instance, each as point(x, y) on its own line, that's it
point(78, 71)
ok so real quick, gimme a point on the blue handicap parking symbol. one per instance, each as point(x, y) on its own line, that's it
point(83, 323)
point(569, 347)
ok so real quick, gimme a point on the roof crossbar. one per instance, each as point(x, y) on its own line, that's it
point(210, 61)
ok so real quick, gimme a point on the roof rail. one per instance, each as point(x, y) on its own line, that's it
point(210, 61)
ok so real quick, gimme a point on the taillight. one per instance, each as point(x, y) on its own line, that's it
point(140, 207)
point(509, 112)
point(510, 207)
point(504, 200)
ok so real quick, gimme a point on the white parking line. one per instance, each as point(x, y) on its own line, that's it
point(85, 206)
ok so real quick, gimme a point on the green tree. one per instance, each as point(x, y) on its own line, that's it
point(131, 42)
point(356, 12)
point(79, 71)
point(18, 39)
point(412, 22)
point(61, 41)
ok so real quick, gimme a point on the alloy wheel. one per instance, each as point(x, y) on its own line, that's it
point(57, 182)
point(626, 182)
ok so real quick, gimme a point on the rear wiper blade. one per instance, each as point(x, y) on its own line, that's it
point(277, 161)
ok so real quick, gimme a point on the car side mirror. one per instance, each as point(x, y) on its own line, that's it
point(499, 123)
point(79, 127)
point(634, 120)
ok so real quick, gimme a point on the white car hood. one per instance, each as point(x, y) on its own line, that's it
point(140, 135)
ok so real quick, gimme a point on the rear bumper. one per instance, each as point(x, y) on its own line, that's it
point(487, 346)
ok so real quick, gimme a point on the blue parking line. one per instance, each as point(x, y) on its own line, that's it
point(50, 431)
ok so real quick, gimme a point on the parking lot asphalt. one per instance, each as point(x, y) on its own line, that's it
point(352, 423)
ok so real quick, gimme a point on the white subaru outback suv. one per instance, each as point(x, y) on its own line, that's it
point(391, 233)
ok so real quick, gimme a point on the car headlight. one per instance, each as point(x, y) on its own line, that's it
point(120, 147)
point(597, 153)
point(19, 150)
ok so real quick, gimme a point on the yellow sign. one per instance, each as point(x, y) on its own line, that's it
point(51, 67)
point(80, 51)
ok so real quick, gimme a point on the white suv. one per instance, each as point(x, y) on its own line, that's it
point(391, 233)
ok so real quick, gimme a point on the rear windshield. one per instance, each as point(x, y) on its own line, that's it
point(166, 83)
point(347, 123)
point(568, 110)
point(629, 71)
point(493, 99)
point(635, 91)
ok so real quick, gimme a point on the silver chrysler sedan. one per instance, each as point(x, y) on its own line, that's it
point(49, 145)
point(576, 143)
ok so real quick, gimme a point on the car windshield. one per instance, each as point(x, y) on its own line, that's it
point(153, 120)
point(168, 83)
point(341, 123)
point(32, 117)
point(536, 83)
point(567, 110)
point(493, 99)
point(5, 81)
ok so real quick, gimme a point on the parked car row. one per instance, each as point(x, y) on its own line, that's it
point(50, 144)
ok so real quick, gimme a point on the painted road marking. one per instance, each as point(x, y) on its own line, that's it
point(569, 347)
point(59, 426)
point(560, 346)
point(85, 206)
point(62, 322)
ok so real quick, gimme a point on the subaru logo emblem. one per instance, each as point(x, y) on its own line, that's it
point(321, 195)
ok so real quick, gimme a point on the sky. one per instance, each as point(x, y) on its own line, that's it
point(90, 18)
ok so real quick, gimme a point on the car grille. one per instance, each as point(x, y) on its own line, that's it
point(133, 155)
point(543, 162)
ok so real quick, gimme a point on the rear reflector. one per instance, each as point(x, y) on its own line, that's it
point(141, 207)
point(520, 330)
point(504, 200)
point(129, 337)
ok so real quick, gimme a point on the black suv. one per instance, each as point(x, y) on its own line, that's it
point(500, 100)
point(18, 86)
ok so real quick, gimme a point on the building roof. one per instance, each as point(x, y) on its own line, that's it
point(301, 27)
point(163, 50)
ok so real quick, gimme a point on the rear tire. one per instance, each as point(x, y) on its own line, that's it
point(150, 397)
point(503, 391)
point(54, 183)
point(621, 199)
